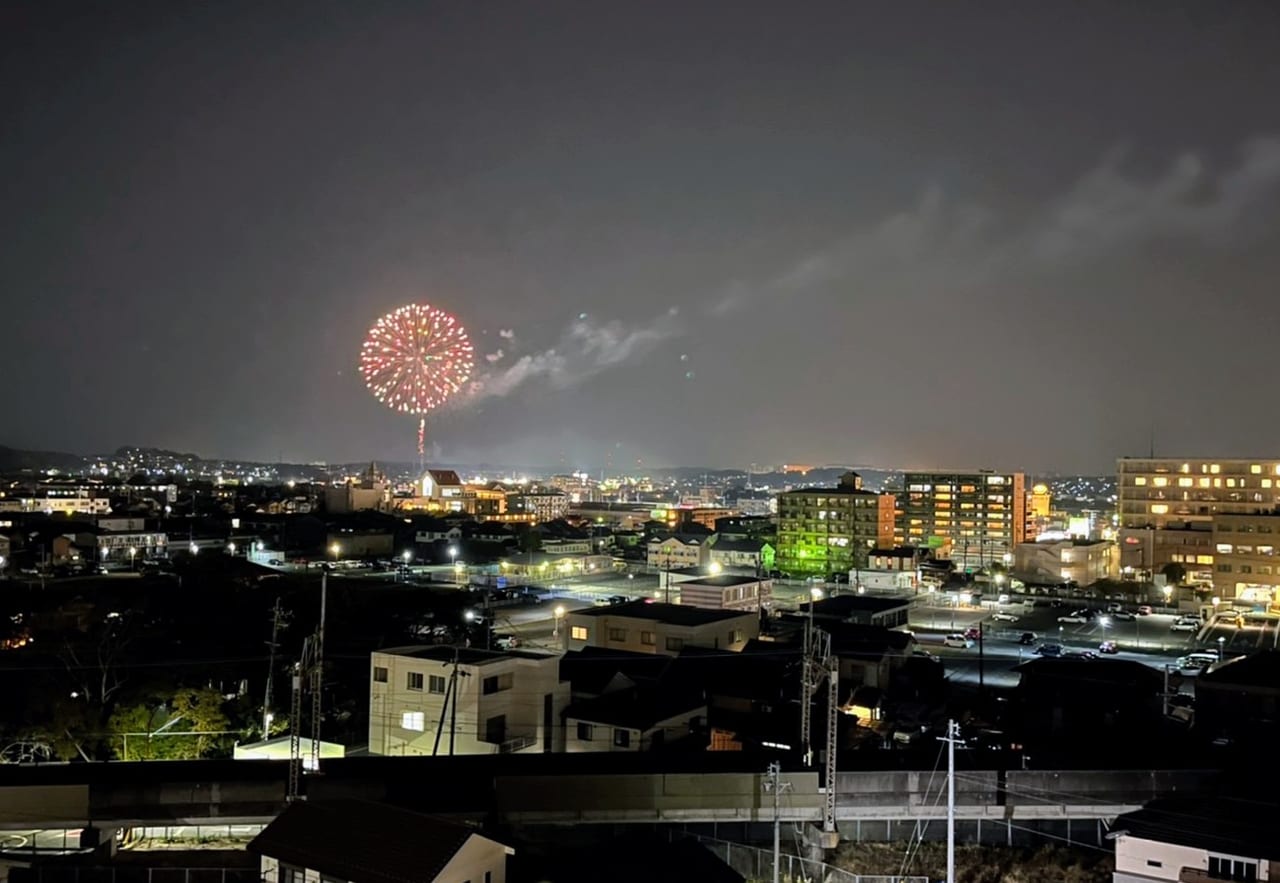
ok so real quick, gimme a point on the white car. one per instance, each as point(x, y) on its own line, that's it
point(1004, 617)
point(1185, 625)
point(1074, 617)
point(957, 640)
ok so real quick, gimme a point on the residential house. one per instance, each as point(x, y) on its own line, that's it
point(446, 700)
point(641, 717)
point(1240, 698)
point(749, 554)
point(646, 627)
point(1094, 698)
point(1198, 840)
point(358, 841)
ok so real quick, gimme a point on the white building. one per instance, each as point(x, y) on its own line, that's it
point(1083, 562)
point(675, 552)
point(539, 506)
point(633, 719)
point(748, 553)
point(727, 591)
point(1197, 840)
point(357, 841)
point(505, 701)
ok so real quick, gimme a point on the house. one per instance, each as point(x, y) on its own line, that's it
point(359, 841)
point(1197, 840)
point(751, 554)
point(447, 700)
point(1089, 698)
point(678, 551)
point(860, 609)
point(1241, 698)
point(641, 717)
point(646, 627)
point(727, 591)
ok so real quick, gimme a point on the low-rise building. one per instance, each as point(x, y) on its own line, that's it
point(636, 718)
point(1083, 562)
point(539, 505)
point(465, 701)
point(1197, 840)
point(643, 627)
point(80, 504)
point(1246, 567)
point(860, 610)
point(727, 591)
point(358, 841)
point(752, 554)
point(675, 552)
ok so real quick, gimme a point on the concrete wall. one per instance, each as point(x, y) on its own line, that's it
point(478, 856)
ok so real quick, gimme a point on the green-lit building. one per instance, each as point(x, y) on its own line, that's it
point(828, 531)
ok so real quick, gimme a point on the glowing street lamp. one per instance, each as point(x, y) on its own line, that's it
point(132, 552)
point(231, 548)
point(1168, 593)
point(193, 548)
point(559, 614)
point(336, 550)
point(715, 568)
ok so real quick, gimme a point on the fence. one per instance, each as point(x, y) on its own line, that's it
point(127, 874)
point(757, 865)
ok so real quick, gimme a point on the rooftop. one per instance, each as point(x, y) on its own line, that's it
point(635, 708)
point(671, 614)
point(1220, 824)
point(464, 655)
point(843, 605)
point(1256, 670)
point(361, 841)
point(723, 580)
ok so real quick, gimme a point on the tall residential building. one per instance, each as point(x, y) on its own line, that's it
point(827, 531)
point(1176, 511)
point(973, 518)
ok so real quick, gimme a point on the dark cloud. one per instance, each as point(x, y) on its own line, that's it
point(1002, 234)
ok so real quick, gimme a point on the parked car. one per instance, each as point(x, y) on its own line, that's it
point(1124, 616)
point(1114, 608)
point(1049, 650)
point(974, 632)
point(1185, 625)
point(957, 640)
point(1004, 617)
point(1108, 647)
point(1194, 663)
point(1144, 610)
point(1027, 638)
point(1077, 616)
point(1080, 654)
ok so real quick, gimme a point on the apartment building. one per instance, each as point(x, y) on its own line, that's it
point(1169, 507)
point(1245, 566)
point(1083, 562)
point(973, 518)
point(676, 552)
point(642, 627)
point(727, 591)
point(827, 531)
point(496, 703)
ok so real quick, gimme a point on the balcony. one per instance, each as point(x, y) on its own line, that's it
point(519, 743)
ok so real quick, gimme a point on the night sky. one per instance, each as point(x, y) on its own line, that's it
point(957, 234)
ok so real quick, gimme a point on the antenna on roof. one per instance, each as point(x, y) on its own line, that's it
point(1153, 439)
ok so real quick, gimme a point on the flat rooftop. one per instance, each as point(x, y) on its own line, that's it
point(723, 580)
point(842, 605)
point(465, 655)
point(672, 614)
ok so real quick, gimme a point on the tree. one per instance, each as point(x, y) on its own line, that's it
point(530, 540)
point(191, 724)
point(1174, 572)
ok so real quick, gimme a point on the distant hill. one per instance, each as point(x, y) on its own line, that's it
point(17, 460)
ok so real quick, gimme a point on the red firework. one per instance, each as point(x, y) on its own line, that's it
point(414, 358)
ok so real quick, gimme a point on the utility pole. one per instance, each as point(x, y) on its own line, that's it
point(833, 736)
point(774, 784)
point(277, 623)
point(952, 737)
point(317, 675)
point(806, 690)
point(982, 684)
point(310, 666)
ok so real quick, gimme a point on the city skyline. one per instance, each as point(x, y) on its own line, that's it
point(1016, 238)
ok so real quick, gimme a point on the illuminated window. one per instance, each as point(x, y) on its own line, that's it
point(1140, 481)
point(1224, 548)
point(1184, 482)
point(1214, 469)
point(413, 720)
point(1160, 481)
point(1266, 550)
point(1256, 469)
point(1266, 482)
point(1217, 482)
point(1185, 467)
point(1204, 559)
point(1159, 509)
point(578, 633)
point(1231, 482)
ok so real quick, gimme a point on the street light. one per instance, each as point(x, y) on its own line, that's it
point(1168, 593)
point(193, 548)
point(336, 550)
point(559, 613)
point(231, 548)
point(715, 568)
point(1104, 621)
point(1221, 647)
point(132, 552)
